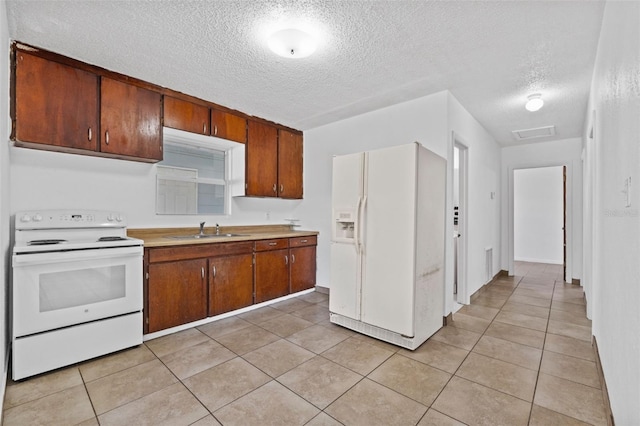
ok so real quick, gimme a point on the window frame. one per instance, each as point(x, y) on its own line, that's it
point(233, 160)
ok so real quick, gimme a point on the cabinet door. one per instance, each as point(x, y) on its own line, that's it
point(303, 268)
point(228, 126)
point(130, 120)
point(177, 293)
point(185, 115)
point(262, 160)
point(231, 283)
point(289, 165)
point(55, 104)
point(272, 274)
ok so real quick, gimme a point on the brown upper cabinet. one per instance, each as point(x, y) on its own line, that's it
point(262, 160)
point(55, 105)
point(274, 162)
point(228, 126)
point(61, 104)
point(185, 115)
point(289, 164)
point(60, 107)
point(130, 119)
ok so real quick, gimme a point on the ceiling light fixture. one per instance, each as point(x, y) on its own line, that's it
point(534, 102)
point(292, 43)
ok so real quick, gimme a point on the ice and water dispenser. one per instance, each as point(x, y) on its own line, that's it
point(344, 226)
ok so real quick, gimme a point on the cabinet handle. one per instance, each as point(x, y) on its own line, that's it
point(106, 137)
point(90, 133)
point(303, 241)
point(202, 270)
point(281, 188)
point(273, 244)
point(215, 130)
point(214, 271)
point(293, 258)
point(286, 259)
point(204, 128)
point(274, 188)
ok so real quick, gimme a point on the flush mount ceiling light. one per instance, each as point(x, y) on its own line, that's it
point(292, 43)
point(534, 102)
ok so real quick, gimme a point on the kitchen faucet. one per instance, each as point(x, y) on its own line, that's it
point(202, 228)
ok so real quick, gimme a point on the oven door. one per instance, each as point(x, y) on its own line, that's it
point(58, 289)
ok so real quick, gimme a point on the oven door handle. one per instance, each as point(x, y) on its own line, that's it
point(27, 259)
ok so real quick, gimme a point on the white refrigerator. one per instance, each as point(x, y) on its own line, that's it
point(388, 243)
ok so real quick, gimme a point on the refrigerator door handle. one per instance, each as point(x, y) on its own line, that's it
point(356, 227)
point(361, 213)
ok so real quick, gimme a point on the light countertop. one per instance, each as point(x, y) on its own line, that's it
point(157, 237)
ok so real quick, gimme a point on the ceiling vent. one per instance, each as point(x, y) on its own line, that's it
point(538, 132)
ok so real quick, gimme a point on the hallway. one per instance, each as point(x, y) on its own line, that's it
point(519, 354)
point(530, 342)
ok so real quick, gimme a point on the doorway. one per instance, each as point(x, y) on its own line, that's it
point(460, 220)
point(540, 215)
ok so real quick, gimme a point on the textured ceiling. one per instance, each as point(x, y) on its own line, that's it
point(489, 54)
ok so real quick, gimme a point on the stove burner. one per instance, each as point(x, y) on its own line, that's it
point(111, 239)
point(44, 242)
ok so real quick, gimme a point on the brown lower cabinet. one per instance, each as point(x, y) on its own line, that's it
point(230, 283)
point(303, 268)
point(177, 293)
point(189, 283)
point(272, 274)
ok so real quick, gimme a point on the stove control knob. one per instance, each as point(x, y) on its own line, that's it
point(111, 218)
point(37, 218)
point(25, 218)
point(119, 218)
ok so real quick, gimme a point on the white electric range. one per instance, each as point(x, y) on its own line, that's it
point(77, 288)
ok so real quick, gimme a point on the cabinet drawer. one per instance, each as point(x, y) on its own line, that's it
point(265, 245)
point(198, 251)
point(303, 241)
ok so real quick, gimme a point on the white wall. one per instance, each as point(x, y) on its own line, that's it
point(422, 120)
point(483, 211)
point(5, 265)
point(429, 120)
point(613, 156)
point(565, 152)
point(538, 215)
point(42, 179)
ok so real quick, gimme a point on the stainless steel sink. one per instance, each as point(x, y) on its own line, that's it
point(198, 236)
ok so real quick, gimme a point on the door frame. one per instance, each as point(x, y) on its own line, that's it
point(457, 141)
point(568, 223)
point(564, 223)
point(589, 220)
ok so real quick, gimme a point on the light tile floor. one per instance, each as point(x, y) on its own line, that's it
point(519, 354)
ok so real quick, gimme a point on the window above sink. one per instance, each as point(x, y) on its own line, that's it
point(198, 175)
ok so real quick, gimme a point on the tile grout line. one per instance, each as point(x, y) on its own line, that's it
point(84, 384)
point(535, 387)
point(464, 359)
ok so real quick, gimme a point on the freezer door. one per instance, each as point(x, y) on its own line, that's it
point(346, 264)
point(388, 237)
point(344, 298)
point(346, 196)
